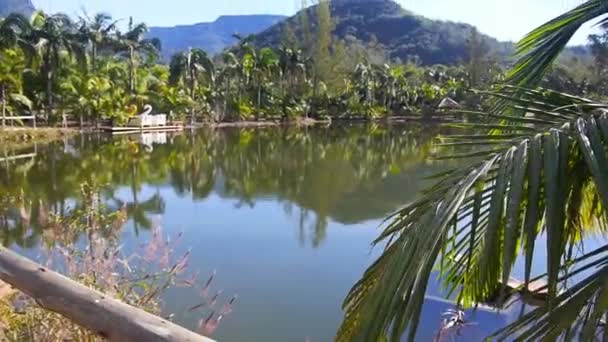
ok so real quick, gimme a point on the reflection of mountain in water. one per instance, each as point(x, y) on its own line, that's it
point(347, 174)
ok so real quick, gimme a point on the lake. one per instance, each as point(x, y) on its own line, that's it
point(284, 216)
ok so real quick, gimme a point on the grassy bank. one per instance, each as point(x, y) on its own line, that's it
point(24, 137)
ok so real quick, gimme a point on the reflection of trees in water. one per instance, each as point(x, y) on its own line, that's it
point(348, 174)
point(344, 174)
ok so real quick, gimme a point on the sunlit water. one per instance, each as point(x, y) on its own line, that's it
point(284, 216)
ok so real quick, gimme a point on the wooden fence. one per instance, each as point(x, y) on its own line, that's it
point(13, 118)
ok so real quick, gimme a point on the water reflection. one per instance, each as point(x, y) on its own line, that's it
point(347, 174)
point(285, 215)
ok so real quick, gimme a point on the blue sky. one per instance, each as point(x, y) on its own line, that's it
point(506, 20)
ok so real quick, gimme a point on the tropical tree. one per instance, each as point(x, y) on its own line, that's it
point(12, 29)
point(293, 67)
point(229, 77)
point(533, 180)
point(133, 45)
point(96, 34)
point(265, 64)
point(12, 64)
point(53, 35)
point(188, 67)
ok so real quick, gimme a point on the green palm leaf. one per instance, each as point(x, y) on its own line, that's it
point(538, 49)
point(472, 226)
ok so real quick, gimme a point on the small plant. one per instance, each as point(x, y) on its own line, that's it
point(452, 325)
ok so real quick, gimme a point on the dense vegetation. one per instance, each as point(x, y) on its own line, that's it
point(88, 70)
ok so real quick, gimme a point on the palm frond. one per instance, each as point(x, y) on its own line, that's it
point(538, 50)
point(540, 176)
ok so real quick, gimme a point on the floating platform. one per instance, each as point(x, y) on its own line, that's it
point(128, 130)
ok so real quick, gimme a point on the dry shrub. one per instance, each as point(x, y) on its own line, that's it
point(84, 245)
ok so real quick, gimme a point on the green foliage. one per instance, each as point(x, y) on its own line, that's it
point(540, 178)
point(540, 48)
point(12, 65)
point(533, 180)
point(90, 70)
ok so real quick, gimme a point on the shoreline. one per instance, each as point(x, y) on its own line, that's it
point(266, 123)
point(22, 137)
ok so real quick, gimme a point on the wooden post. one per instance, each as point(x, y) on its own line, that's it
point(3, 106)
point(88, 308)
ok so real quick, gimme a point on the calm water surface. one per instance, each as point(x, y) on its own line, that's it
point(284, 216)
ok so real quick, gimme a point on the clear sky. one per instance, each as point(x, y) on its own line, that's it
point(505, 20)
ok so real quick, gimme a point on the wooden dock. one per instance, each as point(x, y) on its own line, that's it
point(129, 130)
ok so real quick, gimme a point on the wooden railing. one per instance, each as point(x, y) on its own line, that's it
point(108, 317)
point(5, 118)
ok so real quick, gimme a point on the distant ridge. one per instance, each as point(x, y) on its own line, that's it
point(25, 7)
point(213, 37)
point(398, 33)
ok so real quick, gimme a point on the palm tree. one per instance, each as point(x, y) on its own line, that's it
point(11, 83)
point(51, 35)
point(96, 33)
point(12, 30)
point(133, 44)
point(189, 66)
point(531, 180)
point(266, 62)
point(539, 48)
point(363, 79)
point(232, 70)
point(292, 65)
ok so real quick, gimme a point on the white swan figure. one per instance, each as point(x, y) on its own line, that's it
point(147, 110)
point(147, 119)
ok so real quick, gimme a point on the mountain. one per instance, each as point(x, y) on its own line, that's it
point(212, 37)
point(385, 25)
point(24, 7)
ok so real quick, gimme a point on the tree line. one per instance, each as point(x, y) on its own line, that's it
point(87, 70)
